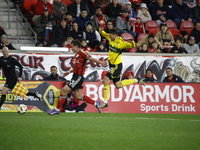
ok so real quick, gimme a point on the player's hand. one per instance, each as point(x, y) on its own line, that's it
point(65, 74)
point(19, 79)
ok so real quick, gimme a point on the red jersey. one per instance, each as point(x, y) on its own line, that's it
point(79, 62)
point(139, 27)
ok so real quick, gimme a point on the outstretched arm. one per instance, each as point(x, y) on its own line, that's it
point(103, 63)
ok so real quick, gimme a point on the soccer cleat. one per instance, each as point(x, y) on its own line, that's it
point(54, 112)
point(140, 81)
point(103, 105)
point(38, 95)
point(97, 106)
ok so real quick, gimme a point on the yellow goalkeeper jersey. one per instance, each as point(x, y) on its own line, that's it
point(116, 47)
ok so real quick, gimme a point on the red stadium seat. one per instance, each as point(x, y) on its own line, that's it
point(104, 9)
point(171, 25)
point(127, 36)
point(141, 36)
point(67, 2)
point(132, 50)
point(27, 5)
point(151, 25)
point(186, 26)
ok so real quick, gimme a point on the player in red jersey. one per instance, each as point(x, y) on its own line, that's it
point(79, 66)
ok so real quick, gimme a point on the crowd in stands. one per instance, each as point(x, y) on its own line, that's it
point(156, 25)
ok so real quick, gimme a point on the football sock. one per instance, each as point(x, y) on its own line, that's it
point(106, 92)
point(61, 102)
point(3, 98)
point(88, 100)
point(128, 82)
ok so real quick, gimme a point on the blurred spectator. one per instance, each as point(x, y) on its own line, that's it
point(148, 40)
point(72, 104)
point(41, 5)
point(196, 11)
point(123, 24)
point(4, 43)
point(114, 9)
point(138, 27)
point(59, 8)
point(44, 25)
point(172, 77)
point(154, 48)
point(161, 12)
point(2, 31)
point(129, 75)
point(82, 19)
point(167, 46)
point(69, 19)
point(144, 13)
point(103, 2)
point(60, 34)
point(85, 46)
point(181, 12)
point(92, 4)
point(184, 37)
point(164, 34)
point(54, 75)
point(190, 3)
point(76, 7)
point(99, 19)
point(177, 48)
point(101, 47)
point(149, 76)
point(190, 46)
point(109, 26)
point(196, 33)
point(131, 11)
point(68, 43)
point(122, 2)
point(92, 36)
point(76, 33)
point(143, 48)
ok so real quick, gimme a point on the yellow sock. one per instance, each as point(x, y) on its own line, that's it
point(106, 91)
point(128, 82)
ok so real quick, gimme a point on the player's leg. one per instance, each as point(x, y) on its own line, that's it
point(79, 96)
point(3, 96)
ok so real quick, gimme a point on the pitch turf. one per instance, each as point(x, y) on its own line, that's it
point(93, 131)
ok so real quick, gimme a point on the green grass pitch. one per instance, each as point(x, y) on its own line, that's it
point(93, 131)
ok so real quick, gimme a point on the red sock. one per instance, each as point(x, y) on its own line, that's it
point(60, 104)
point(88, 100)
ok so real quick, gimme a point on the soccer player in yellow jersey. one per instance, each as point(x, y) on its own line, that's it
point(116, 46)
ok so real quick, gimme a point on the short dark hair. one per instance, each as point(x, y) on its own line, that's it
point(114, 31)
point(76, 43)
point(151, 35)
point(149, 70)
point(169, 68)
point(53, 67)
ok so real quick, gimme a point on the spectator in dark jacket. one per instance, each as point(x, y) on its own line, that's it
point(92, 4)
point(160, 12)
point(177, 47)
point(149, 76)
point(172, 77)
point(54, 75)
point(60, 34)
point(196, 11)
point(76, 33)
point(4, 43)
point(82, 19)
point(181, 12)
point(76, 7)
point(114, 9)
point(196, 33)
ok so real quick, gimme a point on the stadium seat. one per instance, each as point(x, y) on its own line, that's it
point(67, 2)
point(127, 36)
point(132, 50)
point(171, 25)
point(27, 5)
point(151, 25)
point(104, 9)
point(141, 36)
point(186, 26)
